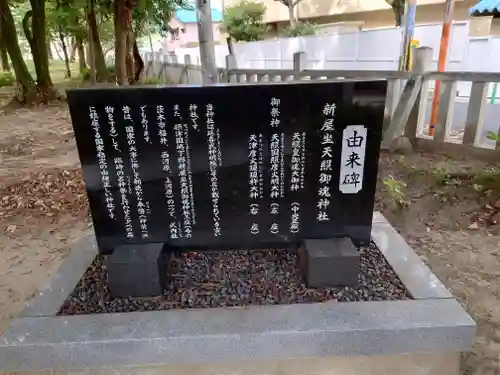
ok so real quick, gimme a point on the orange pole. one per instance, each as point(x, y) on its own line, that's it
point(443, 55)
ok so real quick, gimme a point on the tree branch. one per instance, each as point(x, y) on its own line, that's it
point(398, 6)
point(27, 27)
point(108, 50)
point(289, 2)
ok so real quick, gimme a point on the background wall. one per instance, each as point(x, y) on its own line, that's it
point(363, 50)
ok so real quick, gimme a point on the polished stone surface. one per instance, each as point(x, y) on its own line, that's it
point(137, 270)
point(179, 165)
point(330, 262)
point(415, 275)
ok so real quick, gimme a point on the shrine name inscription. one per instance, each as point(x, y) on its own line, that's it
point(230, 166)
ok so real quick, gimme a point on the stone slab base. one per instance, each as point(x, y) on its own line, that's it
point(360, 338)
point(409, 364)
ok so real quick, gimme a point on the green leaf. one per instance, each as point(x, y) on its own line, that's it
point(299, 29)
point(243, 21)
point(493, 136)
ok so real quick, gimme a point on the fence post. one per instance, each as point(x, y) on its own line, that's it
point(474, 120)
point(299, 64)
point(422, 63)
point(157, 62)
point(405, 117)
point(422, 60)
point(187, 66)
point(173, 56)
point(230, 65)
point(148, 61)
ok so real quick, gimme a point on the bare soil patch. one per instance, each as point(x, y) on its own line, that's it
point(451, 225)
point(34, 140)
point(454, 230)
point(42, 202)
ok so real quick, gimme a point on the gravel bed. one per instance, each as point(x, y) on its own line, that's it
point(236, 278)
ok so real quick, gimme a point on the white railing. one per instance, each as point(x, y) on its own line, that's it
point(408, 99)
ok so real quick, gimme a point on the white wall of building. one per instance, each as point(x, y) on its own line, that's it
point(376, 49)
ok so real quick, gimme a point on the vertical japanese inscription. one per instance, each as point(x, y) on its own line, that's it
point(261, 165)
point(333, 160)
point(122, 186)
point(193, 116)
point(325, 169)
point(213, 163)
point(303, 161)
point(120, 174)
point(194, 122)
point(282, 165)
point(219, 152)
point(183, 164)
point(276, 163)
point(297, 170)
point(352, 159)
point(190, 175)
point(145, 124)
point(165, 162)
point(254, 179)
point(101, 160)
point(110, 111)
point(134, 163)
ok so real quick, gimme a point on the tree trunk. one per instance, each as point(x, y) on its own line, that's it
point(108, 50)
point(138, 62)
point(26, 91)
point(65, 53)
point(151, 43)
point(129, 58)
point(59, 57)
point(134, 62)
point(90, 54)
point(121, 32)
point(49, 51)
point(36, 37)
point(29, 36)
point(82, 63)
point(4, 55)
point(398, 6)
point(74, 49)
point(291, 14)
point(98, 56)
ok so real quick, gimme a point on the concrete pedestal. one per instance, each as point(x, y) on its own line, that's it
point(409, 364)
point(424, 335)
point(330, 262)
point(137, 270)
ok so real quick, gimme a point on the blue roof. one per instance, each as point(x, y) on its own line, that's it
point(484, 7)
point(189, 15)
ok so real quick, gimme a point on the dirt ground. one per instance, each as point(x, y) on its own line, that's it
point(442, 212)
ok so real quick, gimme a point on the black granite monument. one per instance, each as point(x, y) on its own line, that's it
point(232, 166)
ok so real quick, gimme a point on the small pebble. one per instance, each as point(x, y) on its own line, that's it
point(236, 278)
